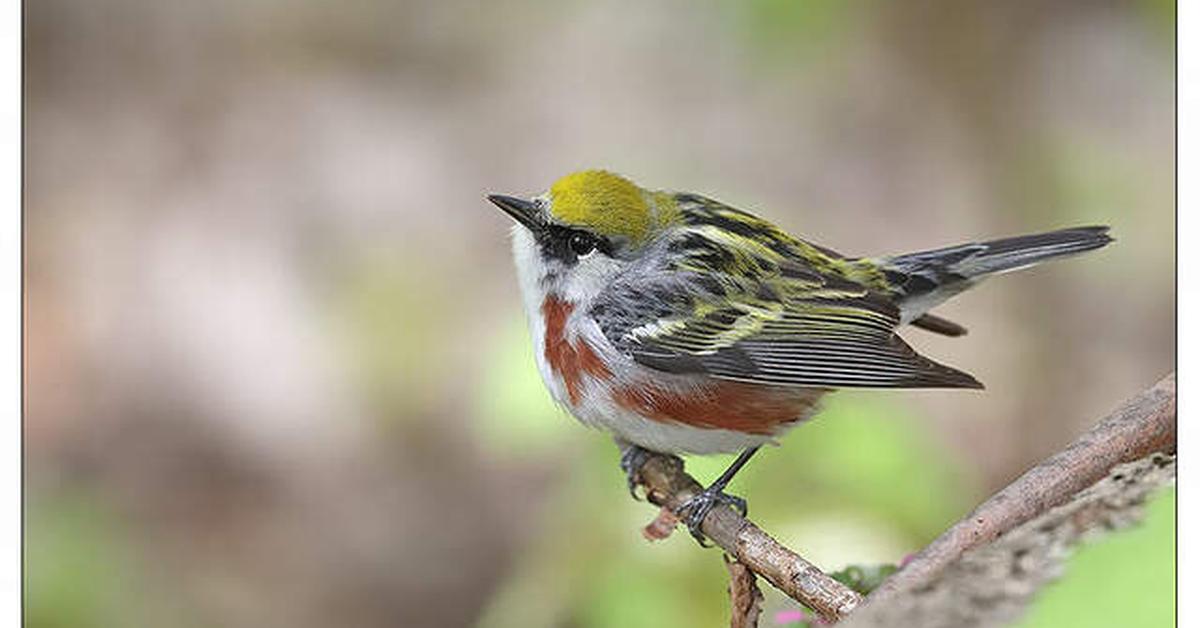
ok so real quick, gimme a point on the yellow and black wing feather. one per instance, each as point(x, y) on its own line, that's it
point(735, 298)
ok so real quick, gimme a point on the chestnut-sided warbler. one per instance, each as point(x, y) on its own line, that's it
point(680, 324)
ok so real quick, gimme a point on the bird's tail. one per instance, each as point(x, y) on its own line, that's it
point(925, 279)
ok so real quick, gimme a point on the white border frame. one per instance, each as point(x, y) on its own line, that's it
point(1188, 269)
point(10, 316)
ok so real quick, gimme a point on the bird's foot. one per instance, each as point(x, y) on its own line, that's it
point(697, 507)
point(632, 459)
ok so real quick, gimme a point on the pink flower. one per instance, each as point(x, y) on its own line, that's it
point(791, 616)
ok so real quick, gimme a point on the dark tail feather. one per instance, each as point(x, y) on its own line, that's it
point(930, 277)
point(996, 256)
point(939, 325)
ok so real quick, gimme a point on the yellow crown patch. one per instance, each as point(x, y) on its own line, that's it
point(603, 202)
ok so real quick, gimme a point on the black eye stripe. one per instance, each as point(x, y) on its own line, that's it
point(568, 245)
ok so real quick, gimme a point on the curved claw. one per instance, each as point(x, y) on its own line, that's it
point(632, 459)
point(697, 507)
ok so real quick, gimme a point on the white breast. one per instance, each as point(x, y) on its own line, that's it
point(529, 271)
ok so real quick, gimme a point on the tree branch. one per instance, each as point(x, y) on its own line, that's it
point(993, 584)
point(668, 485)
point(1143, 425)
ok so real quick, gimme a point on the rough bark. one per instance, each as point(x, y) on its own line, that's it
point(1141, 426)
point(745, 599)
point(993, 584)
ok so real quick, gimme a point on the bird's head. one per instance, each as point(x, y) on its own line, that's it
point(574, 238)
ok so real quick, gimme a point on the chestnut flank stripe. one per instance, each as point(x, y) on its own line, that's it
point(569, 361)
point(747, 408)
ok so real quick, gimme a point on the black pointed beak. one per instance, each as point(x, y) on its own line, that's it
point(521, 210)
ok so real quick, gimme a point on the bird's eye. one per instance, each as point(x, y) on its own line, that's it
point(581, 243)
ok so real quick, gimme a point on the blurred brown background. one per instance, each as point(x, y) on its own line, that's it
point(276, 368)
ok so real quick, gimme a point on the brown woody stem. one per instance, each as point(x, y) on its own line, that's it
point(668, 485)
point(1141, 426)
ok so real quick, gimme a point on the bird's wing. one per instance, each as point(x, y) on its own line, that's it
point(770, 311)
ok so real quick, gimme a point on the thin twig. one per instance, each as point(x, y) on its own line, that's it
point(668, 485)
point(745, 599)
point(1143, 425)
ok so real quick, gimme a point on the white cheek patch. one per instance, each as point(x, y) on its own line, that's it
point(528, 258)
point(590, 275)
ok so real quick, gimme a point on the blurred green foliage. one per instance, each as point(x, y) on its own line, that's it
point(1123, 579)
point(516, 416)
point(399, 365)
point(1162, 14)
point(779, 29)
point(79, 569)
point(864, 578)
